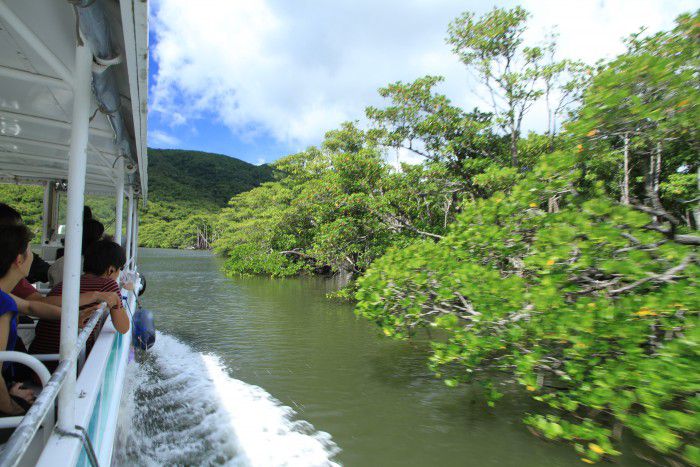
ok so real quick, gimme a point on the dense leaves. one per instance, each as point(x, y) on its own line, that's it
point(578, 306)
point(579, 280)
point(323, 214)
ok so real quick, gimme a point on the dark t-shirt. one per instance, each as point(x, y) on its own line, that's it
point(48, 333)
point(39, 270)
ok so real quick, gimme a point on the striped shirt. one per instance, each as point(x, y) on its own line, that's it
point(48, 333)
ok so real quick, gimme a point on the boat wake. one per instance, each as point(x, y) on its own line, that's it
point(181, 407)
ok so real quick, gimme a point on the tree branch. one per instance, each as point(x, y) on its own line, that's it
point(667, 276)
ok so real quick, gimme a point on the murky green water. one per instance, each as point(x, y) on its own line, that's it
point(374, 396)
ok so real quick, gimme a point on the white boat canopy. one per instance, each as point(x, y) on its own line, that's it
point(37, 76)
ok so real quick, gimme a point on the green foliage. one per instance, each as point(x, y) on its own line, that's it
point(524, 260)
point(427, 124)
point(186, 191)
point(510, 71)
point(546, 280)
point(178, 175)
point(324, 214)
point(28, 200)
point(648, 97)
point(576, 306)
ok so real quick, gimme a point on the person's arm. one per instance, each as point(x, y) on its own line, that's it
point(7, 405)
point(86, 298)
point(39, 309)
point(120, 319)
point(37, 297)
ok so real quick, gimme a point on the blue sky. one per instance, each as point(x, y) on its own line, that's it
point(207, 133)
point(260, 79)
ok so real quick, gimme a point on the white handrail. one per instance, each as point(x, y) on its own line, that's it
point(38, 368)
point(25, 431)
point(47, 357)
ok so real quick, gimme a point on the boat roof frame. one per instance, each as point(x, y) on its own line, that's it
point(34, 135)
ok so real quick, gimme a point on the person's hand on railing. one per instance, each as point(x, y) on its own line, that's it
point(24, 393)
point(86, 313)
point(113, 299)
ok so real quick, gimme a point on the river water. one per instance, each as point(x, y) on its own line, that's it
point(263, 372)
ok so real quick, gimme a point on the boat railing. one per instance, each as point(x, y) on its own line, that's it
point(35, 365)
point(29, 424)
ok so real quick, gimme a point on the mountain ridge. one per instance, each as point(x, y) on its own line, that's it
point(174, 173)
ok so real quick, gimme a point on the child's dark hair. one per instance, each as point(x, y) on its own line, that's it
point(14, 240)
point(9, 215)
point(103, 254)
point(92, 232)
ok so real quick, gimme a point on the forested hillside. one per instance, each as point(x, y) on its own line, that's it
point(565, 263)
point(179, 175)
point(186, 191)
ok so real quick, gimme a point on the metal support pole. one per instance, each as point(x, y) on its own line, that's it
point(135, 237)
point(129, 224)
point(50, 214)
point(46, 216)
point(119, 209)
point(82, 90)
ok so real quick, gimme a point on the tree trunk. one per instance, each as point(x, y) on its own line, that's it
point(553, 204)
point(626, 180)
point(696, 212)
point(550, 119)
point(657, 171)
point(514, 147)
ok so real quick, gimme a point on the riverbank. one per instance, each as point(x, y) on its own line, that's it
point(373, 396)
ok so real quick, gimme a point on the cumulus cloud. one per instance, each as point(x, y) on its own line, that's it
point(162, 139)
point(292, 70)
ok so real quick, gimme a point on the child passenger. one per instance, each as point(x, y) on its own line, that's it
point(102, 265)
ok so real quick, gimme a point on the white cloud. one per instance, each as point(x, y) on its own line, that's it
point(160, 138)
point(293, 70)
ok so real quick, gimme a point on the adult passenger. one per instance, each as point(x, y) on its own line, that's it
point(92, 232)
point(15, 261)
point(103, 263)
point(24, 289)
point(40, 268)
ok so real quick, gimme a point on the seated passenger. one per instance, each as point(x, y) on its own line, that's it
point(24, 289)
point(15, 262)
point(92, 232)
point(40, 268)
point(102, 265)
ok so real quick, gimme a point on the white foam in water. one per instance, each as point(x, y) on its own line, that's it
point(181, 407)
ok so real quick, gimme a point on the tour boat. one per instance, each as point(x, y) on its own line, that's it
point(73, 108)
